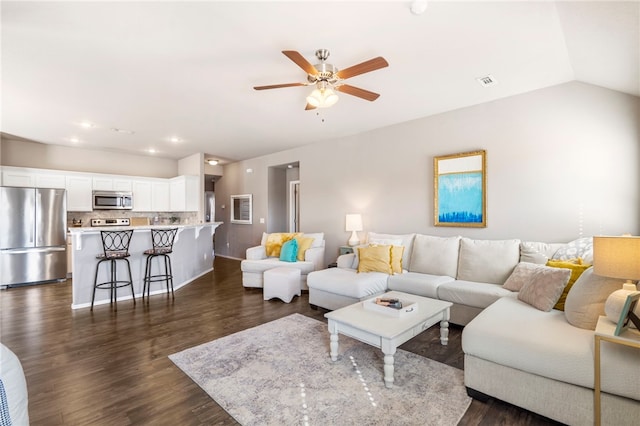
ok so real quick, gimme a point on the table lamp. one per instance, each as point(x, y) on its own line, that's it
point(354, 224)
point(617, 257)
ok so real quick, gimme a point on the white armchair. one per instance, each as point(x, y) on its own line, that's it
point(257, 261)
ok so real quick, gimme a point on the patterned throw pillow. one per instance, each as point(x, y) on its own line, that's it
point(582, 248)
point(545, 287)
point(522, 274)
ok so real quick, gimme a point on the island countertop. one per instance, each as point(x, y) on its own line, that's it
point(191, 258)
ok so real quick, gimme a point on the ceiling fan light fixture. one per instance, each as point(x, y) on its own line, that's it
point(322, 98)
point(212, 162)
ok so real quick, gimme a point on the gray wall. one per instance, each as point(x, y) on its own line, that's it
point(562, 162)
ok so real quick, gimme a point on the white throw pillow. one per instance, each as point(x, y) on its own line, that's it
point(545, 287)
point(318, 237)
point(487, 261)
point(435, 255)
point(522, 274)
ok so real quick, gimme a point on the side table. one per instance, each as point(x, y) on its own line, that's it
point(604, 331)
point(345, 250)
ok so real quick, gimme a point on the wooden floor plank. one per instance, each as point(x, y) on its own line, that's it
point(111, 368)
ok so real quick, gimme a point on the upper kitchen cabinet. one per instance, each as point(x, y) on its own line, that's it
point(110, 184)
point(160, 200)
point(141, 196)
point(79, 198)
point(184, 192)
point(32, 178)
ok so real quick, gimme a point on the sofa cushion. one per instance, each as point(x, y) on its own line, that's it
point(407, 242)
point(274, 262)
point(348, 282)
point(470, 293)
point(538, 252)
point(435, 255)
point(487, 261)
point(318, 238)
point(544, 288)
point(275, 241)
point(374, 258)
point(417, 283)
point(577, 267)
point(585, 301)
point(396, 259)
point(516, 335)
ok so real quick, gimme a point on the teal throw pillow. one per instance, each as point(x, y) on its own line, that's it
point(289, 251)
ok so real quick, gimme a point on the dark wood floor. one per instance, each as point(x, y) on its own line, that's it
point(111, 368)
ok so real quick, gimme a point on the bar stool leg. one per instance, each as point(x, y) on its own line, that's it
point(133, 296)
point(114, 290)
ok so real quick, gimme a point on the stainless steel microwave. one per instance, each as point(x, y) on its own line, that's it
point(112, 200)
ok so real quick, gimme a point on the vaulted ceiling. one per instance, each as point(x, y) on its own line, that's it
point(158, 71)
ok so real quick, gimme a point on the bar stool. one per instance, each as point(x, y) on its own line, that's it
point(115, 246)
point(162, 241)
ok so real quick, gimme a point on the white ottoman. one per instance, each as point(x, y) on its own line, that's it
point(281, 282)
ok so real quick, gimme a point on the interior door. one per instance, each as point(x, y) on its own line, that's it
point(294, 206)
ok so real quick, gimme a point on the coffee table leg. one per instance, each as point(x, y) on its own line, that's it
point(444, 332)
point(333, 340)
point(388, 365)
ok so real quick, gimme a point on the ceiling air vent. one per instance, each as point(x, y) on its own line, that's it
point(487, 80)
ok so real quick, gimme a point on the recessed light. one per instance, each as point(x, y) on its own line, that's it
point(74, 140)
point(175, 139)
point(212, 162)
point(290, 166)
point(87, 125)
point(151, 151)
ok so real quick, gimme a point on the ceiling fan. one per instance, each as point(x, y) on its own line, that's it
point(327, 78)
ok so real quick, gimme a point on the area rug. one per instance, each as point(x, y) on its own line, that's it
point(280, 373)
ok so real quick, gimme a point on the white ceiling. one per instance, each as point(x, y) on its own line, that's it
point(186, 69)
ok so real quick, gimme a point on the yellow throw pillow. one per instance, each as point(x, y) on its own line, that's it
point(577, 268)
point(275, 241)
point(375, 259)
point(396, 259)
point(303, 244)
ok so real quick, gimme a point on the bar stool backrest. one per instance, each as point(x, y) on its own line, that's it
point(116, 243)
point(162, 239)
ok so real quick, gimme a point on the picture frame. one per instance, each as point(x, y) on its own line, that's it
point(460, 190)
point(627, 313)
point(242, 209)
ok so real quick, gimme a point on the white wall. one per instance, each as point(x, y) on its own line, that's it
point(562, 162)
point(21, 153)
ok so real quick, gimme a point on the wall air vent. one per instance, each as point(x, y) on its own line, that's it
point(487, 80)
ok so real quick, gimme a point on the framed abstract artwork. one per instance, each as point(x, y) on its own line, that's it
point(460, 190)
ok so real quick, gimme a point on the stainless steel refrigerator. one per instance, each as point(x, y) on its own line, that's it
point(33, 228)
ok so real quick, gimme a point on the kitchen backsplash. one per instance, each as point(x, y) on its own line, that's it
point(167, 218)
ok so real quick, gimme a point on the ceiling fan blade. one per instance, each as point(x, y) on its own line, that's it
point(300, 61)
point(366, 66)
point(278, 86)
point(308, 107)
point(356, 91)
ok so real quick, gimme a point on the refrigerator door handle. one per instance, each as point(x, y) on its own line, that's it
point(33, 250)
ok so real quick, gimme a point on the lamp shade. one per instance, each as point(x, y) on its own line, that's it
point(354, 222)
point(322, 98)
point(617, 257)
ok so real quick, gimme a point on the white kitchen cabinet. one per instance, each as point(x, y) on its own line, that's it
point(110, 184)
point(142, 196)
point(18, 177)
point(79, 198)
point(184, 192)
point(160, 196)
point(51, 180)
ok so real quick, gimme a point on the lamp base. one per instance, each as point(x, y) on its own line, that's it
point(354, 240)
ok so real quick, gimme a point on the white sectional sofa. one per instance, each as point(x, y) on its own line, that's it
point(258, 261)
point(537, 360)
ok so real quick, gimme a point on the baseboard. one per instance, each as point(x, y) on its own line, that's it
point(228, 257)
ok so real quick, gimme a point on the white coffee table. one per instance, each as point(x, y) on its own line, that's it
point(386, 332)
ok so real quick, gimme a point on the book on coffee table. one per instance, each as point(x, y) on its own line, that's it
point(392, 307)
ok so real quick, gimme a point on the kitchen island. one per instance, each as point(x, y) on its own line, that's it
point(192, 257)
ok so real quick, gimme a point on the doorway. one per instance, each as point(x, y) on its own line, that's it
point(294, 206)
